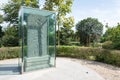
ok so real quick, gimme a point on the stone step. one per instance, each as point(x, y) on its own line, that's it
point(37, 63)
point(34, 63)
point(31, 68)
point(34, 59)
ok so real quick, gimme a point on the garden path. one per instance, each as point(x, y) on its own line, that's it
point(65, 69)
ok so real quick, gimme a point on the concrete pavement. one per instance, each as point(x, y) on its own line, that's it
point(65, 70)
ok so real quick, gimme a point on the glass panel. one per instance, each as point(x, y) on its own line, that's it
point(10, 66)
point(52, 43)
point(38, 38)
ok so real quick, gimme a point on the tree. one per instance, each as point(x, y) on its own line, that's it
point(1, 32)
point(62, 7)
point(10, 37)
point(1, 18)
point(11, 9)
point(90, 30)
point(66, 32)
point(116, 37)
point(113, 34)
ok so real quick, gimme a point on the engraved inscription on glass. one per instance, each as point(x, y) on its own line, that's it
point(37, 35)
point(38, 38)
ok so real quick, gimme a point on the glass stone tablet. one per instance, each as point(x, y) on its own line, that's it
point(37, 35)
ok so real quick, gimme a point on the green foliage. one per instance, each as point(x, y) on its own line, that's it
point(75, 43)
point(13, 30)
point(109, 57)
point(11, 9)
point(108, 45)
point(68, 23)
point(51, 32)
point(1, 18)
point(62, 7)
point(113, 34)
point(90, 30)
point(11, 37)
point(108, 35)
point(77, 52)
point(116, 37)
point(66, 33)
point(7, 52)
point(1, 35)
point(9, 41)
point(65, 36)
point(116, 45)
point(102, 55)
point(1, 32)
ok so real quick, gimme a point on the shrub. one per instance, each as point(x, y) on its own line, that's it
point(9, 40)
point(0, 43)
point(117, 45)
point(9, 52)
point(78, 52)
point(74, 43)
point(110, 57)
point(108, 45)
point(89, 53)
point(98, 54)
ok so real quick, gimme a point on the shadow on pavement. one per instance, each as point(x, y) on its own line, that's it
point(9, 69)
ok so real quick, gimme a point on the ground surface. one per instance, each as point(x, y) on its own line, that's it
point(66, 69)
point(108, 72)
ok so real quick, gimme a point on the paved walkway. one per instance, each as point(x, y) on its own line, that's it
point(65, 70)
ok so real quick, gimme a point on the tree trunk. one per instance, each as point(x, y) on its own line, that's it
point(88, 40)
point(58, 30)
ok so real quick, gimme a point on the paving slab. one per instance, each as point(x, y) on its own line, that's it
point(65, 70)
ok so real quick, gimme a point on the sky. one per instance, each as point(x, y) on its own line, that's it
point(1, 3)
point(107, 11)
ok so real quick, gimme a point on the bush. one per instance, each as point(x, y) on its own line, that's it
point(0, 43)
point(74, 43)
point(9, 41)
point(9, 52)
point(108, 45)
point(117, 45)
point(78, 52)
point(102, 55)
point(89, 53)
point(109, 57)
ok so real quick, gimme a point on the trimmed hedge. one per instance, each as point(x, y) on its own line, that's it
point(9, 52)
point(89, 53)
point(78, 52)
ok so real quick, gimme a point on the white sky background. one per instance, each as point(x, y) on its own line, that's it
point(2, 2)
point(107, 11)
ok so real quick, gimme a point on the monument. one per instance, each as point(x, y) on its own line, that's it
point(37, 37)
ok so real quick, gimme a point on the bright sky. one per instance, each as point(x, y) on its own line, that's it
point(107, 11)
